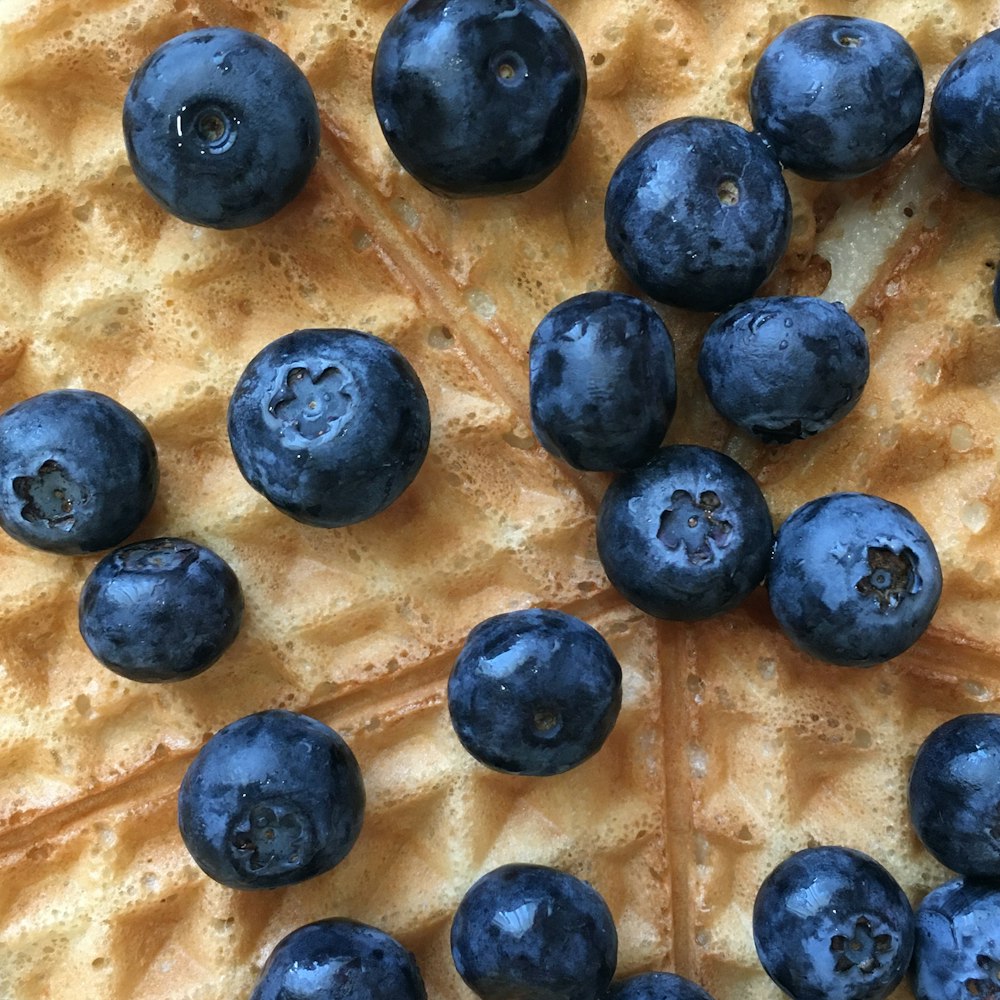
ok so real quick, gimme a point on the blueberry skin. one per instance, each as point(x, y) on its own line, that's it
point(855, 579)
point(965, 115)
point(686, 536)
point(603, 383)
point(163, 609)
point(534, 692)
point(784, 368)
point(837, 96)
point(339, 959)
point(478, 97)
point(954, 794)
point(528, 932)
point(78, 471)
point(271, 800)
point(697, 213)
point(830, 923)
point(657, 986)
point(957, 950)
point(331, 426)
point(221, 127)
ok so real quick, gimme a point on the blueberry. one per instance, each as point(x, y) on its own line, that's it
point(686, 536)
point(837, 96)
point(855, 579)
point(478, 97)
point(830, 923)
point(330, 425)
point(221, 127)
point(534, 692)
point(965, 115)
point(339, 959)
point(271, 800)
point(602, 380)
point(697, 213)
point(784, 368)
point(957, 951)
point(657, 986)
point(955, 794)
point(534, 933)
point(78, 471)
point(160, 610)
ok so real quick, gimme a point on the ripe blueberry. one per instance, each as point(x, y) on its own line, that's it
point(830, 923)
point(855, 579)
point(534, 933)
point(330, 425)
point(339, 959)
point(603, 386)
point(657, 986)
point(955, 794)
point(784, 368)
point(221, 127)
point(837, 96)
point(957, 951)
point(534, 692)
point(697, 213)
point(78, 471)
point(271, 800)
point(160, 610)
point(478, 97)
point(685, 536)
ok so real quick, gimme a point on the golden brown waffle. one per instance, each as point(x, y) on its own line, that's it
point(732, 750)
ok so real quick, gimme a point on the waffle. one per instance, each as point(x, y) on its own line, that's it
point(732, 749)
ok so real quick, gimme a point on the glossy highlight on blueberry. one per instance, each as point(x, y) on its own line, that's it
point(686, 536)
point(271, 800)
point(221, 127)
point(163, 609)
point(954, 794)
point(78, 471)
point(534, 692)
point(784, 367)
point(478, 97)
point(339, 959)
point(535, 933)
point(603, 383)
point(837, 96)
point(331, 426)
point(697, 213)
point(855, 579)
point(830, 923)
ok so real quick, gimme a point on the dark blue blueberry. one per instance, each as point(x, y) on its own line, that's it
point(78, 471)
point(955, 794)
point(330, 425)
point(534, 933)
point(837, 96)
point(957, 951)
point(965, 115)
point(830, 923)
point(271, 800)
point(657, 986)
point(221, 127)
point(687, 535)
point(534, 692)
point(784, 368)
point(160, 610)
point(697, 213)
point(339, 959)
point(478, 97)
point(603, 382)
point(855, 579)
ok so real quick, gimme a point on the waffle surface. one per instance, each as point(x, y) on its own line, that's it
point(732, 749)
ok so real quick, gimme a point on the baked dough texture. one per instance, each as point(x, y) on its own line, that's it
point(732, 748)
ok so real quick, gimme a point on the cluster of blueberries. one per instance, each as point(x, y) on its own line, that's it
point(482, 97)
